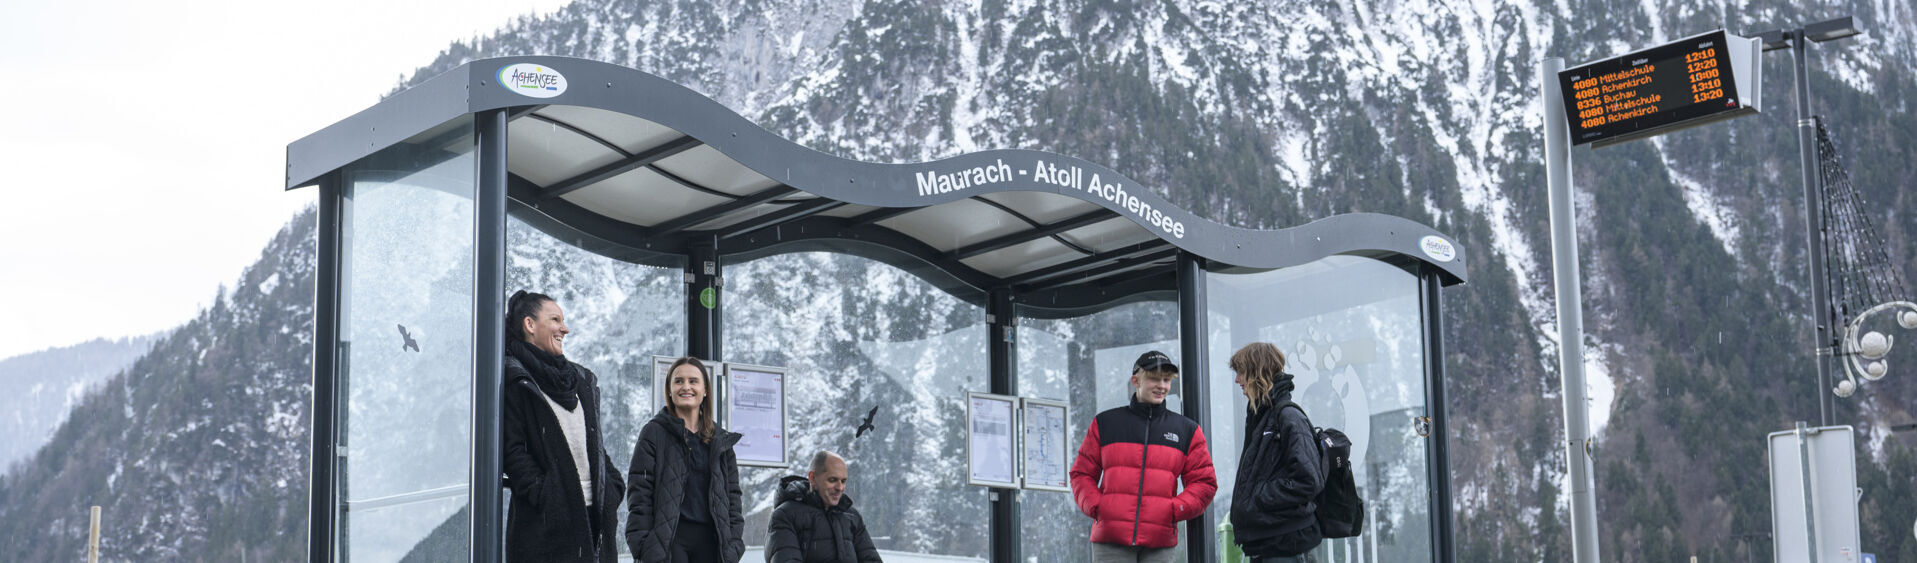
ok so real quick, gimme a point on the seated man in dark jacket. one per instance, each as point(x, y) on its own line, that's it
point(815, 522)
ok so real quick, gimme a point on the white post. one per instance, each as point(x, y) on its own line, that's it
point(93, 538)
point(1564, 267)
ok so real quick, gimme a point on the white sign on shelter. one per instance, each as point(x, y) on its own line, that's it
point(755, 407)
point(991, 442)
point(1046, 454)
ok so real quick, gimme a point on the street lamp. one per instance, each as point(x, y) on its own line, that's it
point(1821, 317)
point(1827, 30)
point(1831, 29)
point(1864, 350)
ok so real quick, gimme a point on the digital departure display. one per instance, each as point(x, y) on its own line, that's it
point(1672, 86)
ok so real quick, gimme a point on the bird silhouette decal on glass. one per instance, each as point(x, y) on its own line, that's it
point(867, 425)
point(410, 344)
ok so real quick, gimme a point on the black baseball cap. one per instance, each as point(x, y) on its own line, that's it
point(1154, 361)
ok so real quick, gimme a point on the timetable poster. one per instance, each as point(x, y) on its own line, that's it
point(756, 404)
point(1048, 463)
point(990, 441)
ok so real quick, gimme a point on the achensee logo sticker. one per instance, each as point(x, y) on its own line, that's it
point(1438, 248)
point(532, 80)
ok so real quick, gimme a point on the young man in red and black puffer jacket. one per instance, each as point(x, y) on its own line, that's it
point(1128, 471)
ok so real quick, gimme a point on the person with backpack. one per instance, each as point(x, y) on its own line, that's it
point(1280, 473)
point(1128, 470)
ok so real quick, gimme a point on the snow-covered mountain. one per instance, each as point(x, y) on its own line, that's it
point(1259, 113)
point(1274, 113)
point(47, 384)
point(197, 450)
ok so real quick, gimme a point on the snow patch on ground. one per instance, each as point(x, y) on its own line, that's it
point(1719, 217)
point(1600, 390)
point(1857, 68)
point(1293, 150)
point(970, 86)
point(1480, 193)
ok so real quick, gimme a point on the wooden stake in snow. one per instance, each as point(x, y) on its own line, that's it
point(93, 538)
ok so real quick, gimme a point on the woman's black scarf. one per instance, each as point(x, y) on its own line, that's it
point(556, 376)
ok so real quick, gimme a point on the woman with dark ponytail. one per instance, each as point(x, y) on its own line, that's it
point(565, 492)
point(685, 505)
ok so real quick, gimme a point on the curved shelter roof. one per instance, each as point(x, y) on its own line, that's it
point(636, 167)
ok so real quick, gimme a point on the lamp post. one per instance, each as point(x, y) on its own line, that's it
point(1864, 351)
point(1821, 313)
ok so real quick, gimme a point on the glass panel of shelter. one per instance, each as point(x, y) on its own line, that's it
point(859, 334)
point(620, 315)
point(1085, 361)
point(856, 333)
point(1350, 328)
point(405, 375)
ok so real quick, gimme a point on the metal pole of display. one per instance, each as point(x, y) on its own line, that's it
point(1003, 331)
point(1193, 347)
point(1564, 266)
point(489, 337)
point(323, 489)
point(1814, 226)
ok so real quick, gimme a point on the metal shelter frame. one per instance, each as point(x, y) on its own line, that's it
point(631, 166)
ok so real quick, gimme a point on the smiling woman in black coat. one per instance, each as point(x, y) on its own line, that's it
point(685, 505)
point(565, 494)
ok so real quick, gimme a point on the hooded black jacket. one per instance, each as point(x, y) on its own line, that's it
point(805, 530)
point(1274, 508)
point(547, 519)
point(658, 478)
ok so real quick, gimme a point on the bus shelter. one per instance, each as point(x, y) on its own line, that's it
point(670, 225)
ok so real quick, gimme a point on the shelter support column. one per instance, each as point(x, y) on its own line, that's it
point(489, 336)
point(323, 487)
point(1194, 349)
point(1002, 333)
point(704, 278)
point(1438, 461)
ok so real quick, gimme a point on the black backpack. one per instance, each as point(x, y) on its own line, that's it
point(1341, 514)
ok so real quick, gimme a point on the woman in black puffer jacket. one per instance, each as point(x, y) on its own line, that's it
point(1273, 507)
point(685, 503)
point(565, 492)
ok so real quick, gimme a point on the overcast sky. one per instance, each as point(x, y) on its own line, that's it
point(145, 142)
